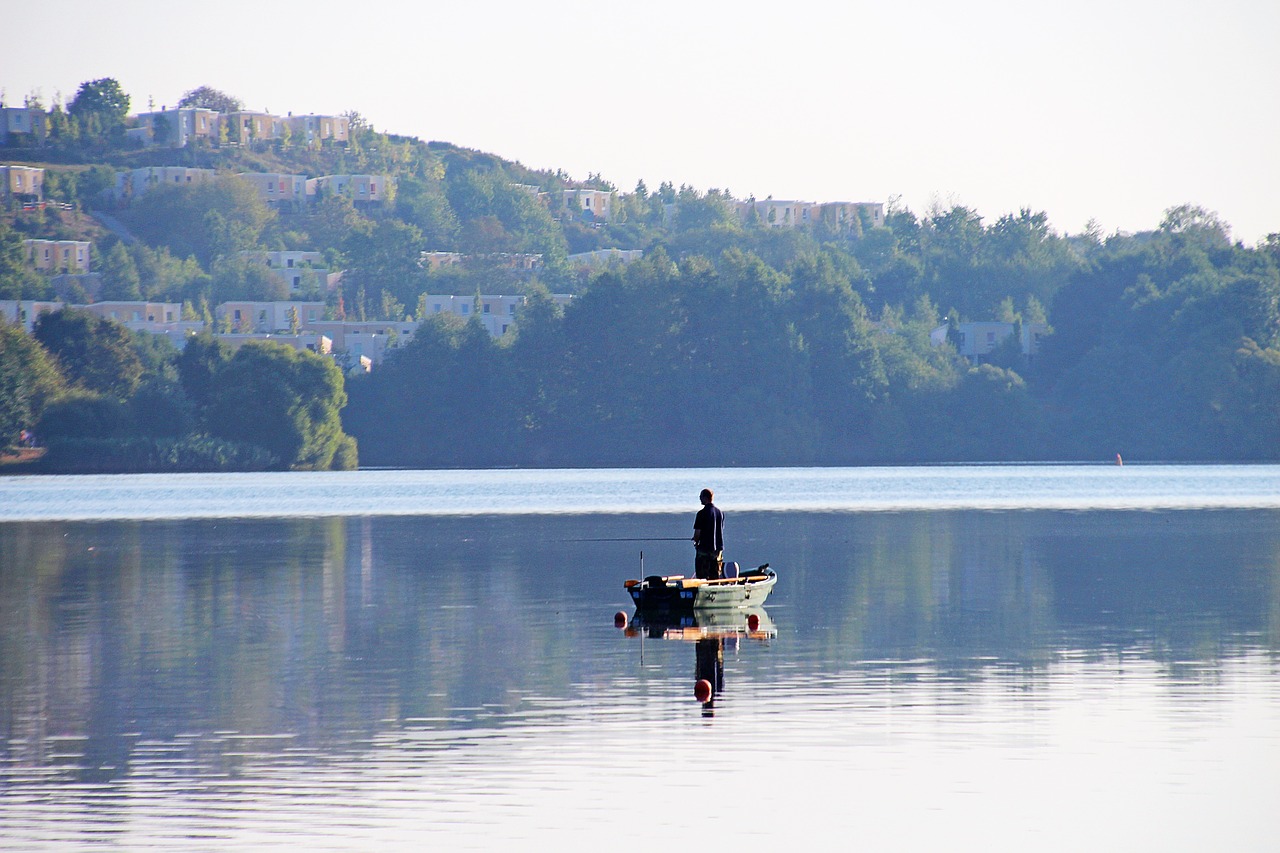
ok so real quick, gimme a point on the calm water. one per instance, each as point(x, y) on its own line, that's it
point(1002, 658)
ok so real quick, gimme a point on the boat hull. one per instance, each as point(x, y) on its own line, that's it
point(678, 593)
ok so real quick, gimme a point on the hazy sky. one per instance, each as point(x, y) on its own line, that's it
point(1112, 110)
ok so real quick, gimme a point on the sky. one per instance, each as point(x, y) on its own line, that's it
point(1103, 110)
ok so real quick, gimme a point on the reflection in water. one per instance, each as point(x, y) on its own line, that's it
point(709, 631)
point(229, 679)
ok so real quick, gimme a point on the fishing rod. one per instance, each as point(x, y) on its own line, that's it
point(634, 539)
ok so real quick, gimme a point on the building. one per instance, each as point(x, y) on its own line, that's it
point(22, 183)
point(58, 256)
point(605, 257)
point(361, 189)
point(976, 341)
point(369, 340)
point(249, 126)
point(313, 130)
point(136, 312)
point(437, 260)
point(299, 270)
point(25, 312)
point(135, 183)
point(842, 214)
point(279, 190)
point(496, 313)
point(22, 125)
point(591, 205)
point(176, 128)
point(312, 341)
point(268, 317)
point(789, 213)
point(158, 318)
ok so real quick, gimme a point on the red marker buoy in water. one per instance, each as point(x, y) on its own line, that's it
point(753, 622)
point(619, 620)
point(702, 691)
point(1119, 461)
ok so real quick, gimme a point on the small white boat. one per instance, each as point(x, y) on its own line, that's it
point(677, 592)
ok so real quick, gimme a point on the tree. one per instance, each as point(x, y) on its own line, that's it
point(95, 354)
point(100, 104)
point(206, 220)
point(17, 279)
point(29, 380)
point(206, 97)
point(281, 399)
point(120, 280)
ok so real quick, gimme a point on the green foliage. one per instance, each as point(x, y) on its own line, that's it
point(206, 220)
point(17, 280)
point(94, 354)
point(283, 400)
point(100, 107)
point(154, 455)
point(210, 99)
point(29, 380)
point(84, 415)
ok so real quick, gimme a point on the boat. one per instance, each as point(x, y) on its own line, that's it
point(677, 592)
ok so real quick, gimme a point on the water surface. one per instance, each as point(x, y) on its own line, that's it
point(1031, 678)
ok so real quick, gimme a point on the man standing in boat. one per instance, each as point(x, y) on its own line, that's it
point(708, 538)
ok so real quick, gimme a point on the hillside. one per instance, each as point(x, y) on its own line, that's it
point(754, 331)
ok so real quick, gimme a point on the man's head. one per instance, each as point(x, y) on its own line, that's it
point(705, 496)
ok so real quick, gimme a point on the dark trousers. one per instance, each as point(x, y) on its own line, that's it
point(706, 565)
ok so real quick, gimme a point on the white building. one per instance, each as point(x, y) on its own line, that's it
point(496, 313)
point(58, 256)
point(976, 341)
point(359, 188)
point(268, 317)
point(177, 127)
point(135, 183)
point(298, 270)
point(25, 312)
point(592, 205)
point(605, 257)
point(25, 183)
point(280, 190)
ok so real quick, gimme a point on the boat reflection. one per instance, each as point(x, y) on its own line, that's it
point(711, 632)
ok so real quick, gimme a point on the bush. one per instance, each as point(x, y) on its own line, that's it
point(154, 455)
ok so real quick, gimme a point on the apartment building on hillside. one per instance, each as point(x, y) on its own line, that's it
point(21, 183)
point(177, 127)
point(58, 256)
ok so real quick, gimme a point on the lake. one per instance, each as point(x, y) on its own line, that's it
point(1000, 657)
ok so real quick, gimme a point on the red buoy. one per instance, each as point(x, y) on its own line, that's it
point(619, 620)
point(702, 691)
point(753, 622)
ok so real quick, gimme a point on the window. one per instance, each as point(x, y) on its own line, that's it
point(486, 308)
point(466, 309)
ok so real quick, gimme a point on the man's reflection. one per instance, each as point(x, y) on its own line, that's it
point(710, 632)
point(709, 668)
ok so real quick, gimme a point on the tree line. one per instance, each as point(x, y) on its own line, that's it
point(1164, 346)
point(732, 342)
point(101, 399)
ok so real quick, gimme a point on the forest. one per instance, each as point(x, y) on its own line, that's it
point(731, 342)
